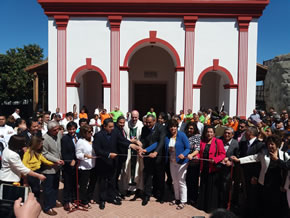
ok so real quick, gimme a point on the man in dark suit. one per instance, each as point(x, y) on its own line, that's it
point(105, 145)
point(154, 165)
point(121, 150)
point(68, 154)
point(251, 171)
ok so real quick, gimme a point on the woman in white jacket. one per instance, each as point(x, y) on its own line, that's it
point(271, 180)
point(12, 166)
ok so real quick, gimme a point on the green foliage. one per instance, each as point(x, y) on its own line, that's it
point(15, 83)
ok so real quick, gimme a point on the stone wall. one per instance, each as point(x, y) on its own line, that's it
point(277, 83)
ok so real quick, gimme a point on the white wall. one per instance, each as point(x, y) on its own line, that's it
point(252, 68)
point(88, 38)
point(216, 39)
point(52, 65)
point(135, 29)
point(72, 98)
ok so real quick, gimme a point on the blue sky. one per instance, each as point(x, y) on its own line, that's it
point(23, 22)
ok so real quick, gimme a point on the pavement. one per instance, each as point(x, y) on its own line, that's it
point(132, 209)
point(129, 209)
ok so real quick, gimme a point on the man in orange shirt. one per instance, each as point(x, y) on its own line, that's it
point(104, 115)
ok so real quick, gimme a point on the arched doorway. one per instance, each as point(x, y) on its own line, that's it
point(213, 93)
point(90, 91)
point(152, 80)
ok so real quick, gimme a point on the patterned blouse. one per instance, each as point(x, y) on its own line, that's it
point(194, 142)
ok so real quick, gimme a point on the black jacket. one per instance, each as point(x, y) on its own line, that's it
point(149, 136)
point(68, 151)
point(105, 144)
point(252, 169)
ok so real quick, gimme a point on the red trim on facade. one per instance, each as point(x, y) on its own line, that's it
point(215, 64)
point(124, 68)
point(115, 22)
point(134, 47)
point(189, 22)
point(243, 65)
point(244, 23)
point(152, 36)
point(88, 66)
point(61, 24)
point(74, 84)
point(152, 8)
point(196, 86)
point(89, 63)
point(231, 86)
point(215, 67)
point(179, 69)
point(61, 21)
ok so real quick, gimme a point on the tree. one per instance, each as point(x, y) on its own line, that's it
point(15, 83)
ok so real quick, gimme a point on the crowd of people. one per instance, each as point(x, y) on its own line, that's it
point(206, 159)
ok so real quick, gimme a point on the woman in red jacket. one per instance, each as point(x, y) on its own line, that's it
point(211, 152)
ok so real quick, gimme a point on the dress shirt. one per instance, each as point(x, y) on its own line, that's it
point(16, 115)
point(251, 141)
point(84, 147)
point(6, 132)
point(12, 166)
point(227, 145)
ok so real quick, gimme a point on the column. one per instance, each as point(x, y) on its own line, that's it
point(35, 91)
point(115, 22)
point(189, 23)
point(179, 90)
point(61, 23)
point(243, 65)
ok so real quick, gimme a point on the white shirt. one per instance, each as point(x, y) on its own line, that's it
point(6, 132)
point(251, 141)
point(200, 127)
point(16, 115)
point(95, 128)
point(12, 166)
point(171, 146)
point(84, 147)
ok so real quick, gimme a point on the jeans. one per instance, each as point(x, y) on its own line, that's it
point(34, 183)
point(50, 190)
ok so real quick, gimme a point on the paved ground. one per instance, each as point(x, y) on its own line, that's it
point(133, 209)
point(129, 209)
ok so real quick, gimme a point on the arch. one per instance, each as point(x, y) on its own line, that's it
point(88, 66)
point(151, 41)
point(216, 67)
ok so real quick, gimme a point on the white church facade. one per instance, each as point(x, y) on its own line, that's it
point(166, 54)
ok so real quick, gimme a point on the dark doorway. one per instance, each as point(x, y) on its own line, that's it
point(149, 95)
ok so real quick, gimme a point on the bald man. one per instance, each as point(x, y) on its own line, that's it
point(132, 173)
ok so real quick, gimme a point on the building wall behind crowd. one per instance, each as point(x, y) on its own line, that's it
point(215, 39)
